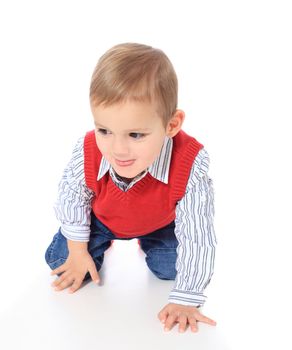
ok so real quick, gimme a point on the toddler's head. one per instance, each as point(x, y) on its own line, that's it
point(138, 73)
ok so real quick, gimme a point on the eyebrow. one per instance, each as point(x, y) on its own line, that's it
point(129, 130)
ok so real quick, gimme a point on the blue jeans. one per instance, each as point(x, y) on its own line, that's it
point(159, 247)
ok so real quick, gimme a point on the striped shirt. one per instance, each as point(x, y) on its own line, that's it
point(194, 228)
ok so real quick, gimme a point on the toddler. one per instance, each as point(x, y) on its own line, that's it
point(138, 175)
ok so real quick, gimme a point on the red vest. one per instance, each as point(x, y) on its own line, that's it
point(149, 204)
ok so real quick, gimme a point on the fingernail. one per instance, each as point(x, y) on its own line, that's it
point(166, 329)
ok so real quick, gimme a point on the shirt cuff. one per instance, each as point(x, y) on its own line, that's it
point(76, 233)
point(187, 298)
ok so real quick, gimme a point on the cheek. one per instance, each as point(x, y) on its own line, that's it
point(151, 151)
point(102, 146)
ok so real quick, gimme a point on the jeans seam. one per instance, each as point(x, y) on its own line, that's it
point(50, 249)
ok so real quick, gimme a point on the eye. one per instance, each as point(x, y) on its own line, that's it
point(103, 132)
point(137, 135)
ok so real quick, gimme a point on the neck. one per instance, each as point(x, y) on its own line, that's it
point(128, 180)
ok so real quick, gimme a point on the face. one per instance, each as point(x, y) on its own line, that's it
point(130, 135)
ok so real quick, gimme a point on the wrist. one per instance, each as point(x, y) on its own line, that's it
point(77, 247)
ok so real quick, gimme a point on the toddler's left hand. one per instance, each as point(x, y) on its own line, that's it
point(184, 315)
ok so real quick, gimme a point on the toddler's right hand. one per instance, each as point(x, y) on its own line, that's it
point(74, 270)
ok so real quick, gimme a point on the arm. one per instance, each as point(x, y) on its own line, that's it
point(73, 209)
point(196, 250)
point(73, 204)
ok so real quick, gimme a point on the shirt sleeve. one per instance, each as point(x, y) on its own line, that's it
point(73, 205)
point(195, 233)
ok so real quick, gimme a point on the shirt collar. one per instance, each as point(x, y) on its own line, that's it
point(159, 169)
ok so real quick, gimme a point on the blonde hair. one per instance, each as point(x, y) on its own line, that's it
point(135, 72)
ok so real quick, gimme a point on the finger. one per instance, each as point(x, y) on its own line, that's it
point(60, 279)
point(75, 286)
point(169, 322)
point(66, 282)
point(193, 324)
point(94, 274)
point(205, 319)
point(163, 315)
point(182, 323)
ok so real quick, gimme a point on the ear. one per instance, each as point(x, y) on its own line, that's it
point(175, 123)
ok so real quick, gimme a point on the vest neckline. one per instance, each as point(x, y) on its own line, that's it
point(136, 188)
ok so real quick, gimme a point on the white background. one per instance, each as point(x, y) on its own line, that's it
point(233, 60)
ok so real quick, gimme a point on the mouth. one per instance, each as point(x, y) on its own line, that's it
point(124, 163)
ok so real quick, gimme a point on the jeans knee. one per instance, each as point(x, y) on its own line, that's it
point(57, 252)
point(162, 262)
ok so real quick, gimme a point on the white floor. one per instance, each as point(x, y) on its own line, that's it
point(121, 313)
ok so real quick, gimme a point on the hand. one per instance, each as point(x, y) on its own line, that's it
point(184, 315)
point(73, 271)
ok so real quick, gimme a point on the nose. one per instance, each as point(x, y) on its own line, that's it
point(120, 148)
